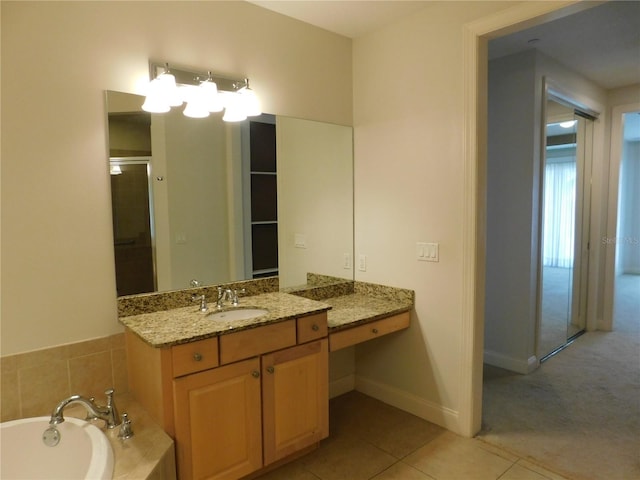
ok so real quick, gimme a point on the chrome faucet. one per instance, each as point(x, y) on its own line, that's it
point(228, 295)
point(108, 413)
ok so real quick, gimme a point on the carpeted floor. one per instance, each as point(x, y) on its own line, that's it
point(579, 413)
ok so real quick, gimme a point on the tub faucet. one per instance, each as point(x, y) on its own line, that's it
point(108, 413)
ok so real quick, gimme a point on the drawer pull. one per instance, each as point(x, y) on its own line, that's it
point(374, 330)
point(315, 327)
point(270, 369)
point(197, 357)
point(255, 374)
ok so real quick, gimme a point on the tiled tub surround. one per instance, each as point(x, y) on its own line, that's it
point(34, 382)
point(149, 454)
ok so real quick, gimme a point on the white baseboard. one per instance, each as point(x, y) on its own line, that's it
point(510, 363)
point(432, 412)
point(342, 385)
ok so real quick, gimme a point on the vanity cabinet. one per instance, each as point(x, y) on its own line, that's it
point(218, 418)
point(232, 420)
point(237, 402)
point(295, 399)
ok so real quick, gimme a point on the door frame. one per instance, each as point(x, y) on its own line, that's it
point(476, 36)
point(617, 131)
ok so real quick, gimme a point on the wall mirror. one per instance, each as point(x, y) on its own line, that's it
point(566, 189)
point(217, 202)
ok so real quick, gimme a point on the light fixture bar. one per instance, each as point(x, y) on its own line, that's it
point(190, 77)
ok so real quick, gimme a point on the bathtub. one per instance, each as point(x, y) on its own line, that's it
point(84, 451)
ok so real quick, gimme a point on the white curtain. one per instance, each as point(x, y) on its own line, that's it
point(559, 213)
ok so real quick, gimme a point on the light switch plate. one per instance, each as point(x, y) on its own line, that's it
point(428, 252)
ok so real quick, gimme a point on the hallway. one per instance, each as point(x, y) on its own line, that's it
point(579, 413)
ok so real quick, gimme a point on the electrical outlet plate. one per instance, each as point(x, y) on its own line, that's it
point(300, 240)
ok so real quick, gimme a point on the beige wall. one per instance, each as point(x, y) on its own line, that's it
point(58, 281)
point(315, 199)
point(409, 135)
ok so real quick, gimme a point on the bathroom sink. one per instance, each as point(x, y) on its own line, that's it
point(237, 314)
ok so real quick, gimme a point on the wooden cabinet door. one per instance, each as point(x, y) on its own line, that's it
point(218, 422)
point(295, 399)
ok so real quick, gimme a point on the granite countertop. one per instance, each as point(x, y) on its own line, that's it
point(181, 325)
point(351, 310)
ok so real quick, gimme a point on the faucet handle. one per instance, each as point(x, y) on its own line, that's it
point(203, 302)
point(125, 429)
point(235, 295)
point(114, 416)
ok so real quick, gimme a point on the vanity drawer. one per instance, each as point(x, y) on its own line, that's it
point(312, 327)
point(256, 341)
point(194, 356)
point(368, 331)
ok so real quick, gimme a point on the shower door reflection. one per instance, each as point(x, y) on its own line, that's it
point(565, 227)
point(132, 225)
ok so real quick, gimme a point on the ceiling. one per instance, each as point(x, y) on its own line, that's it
point(602, 43)
point(350, 18)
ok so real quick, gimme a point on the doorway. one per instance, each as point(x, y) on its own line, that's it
point(133, 229)
point(565, 213)
point(626, 284)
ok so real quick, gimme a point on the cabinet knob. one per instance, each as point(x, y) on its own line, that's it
point(197, 357)
point(270, 369)
point(374, 330)
point(255, 374)
point(315, 327)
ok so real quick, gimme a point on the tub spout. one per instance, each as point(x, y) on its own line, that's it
point(108, 413)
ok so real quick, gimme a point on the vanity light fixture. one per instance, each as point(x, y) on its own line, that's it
point(204, 93)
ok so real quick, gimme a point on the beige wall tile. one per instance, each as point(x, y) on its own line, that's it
point(40, 357)
point(42, 387)
point(34, 382)
point(119, 370)
point(116, 341)
point(91, 375)
point(90, 346)
point(10, 395)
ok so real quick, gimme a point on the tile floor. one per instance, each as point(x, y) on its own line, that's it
point(372, 440)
